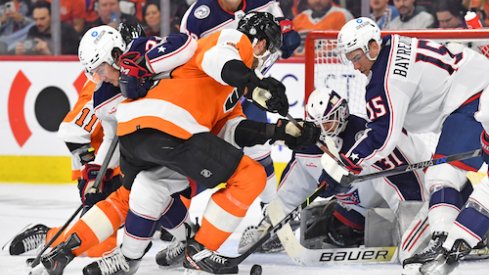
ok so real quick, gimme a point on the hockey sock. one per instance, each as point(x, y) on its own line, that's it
point(271, 187)
point(228, 206)
point(444, 207)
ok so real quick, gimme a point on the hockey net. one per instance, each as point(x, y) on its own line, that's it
point(324, 67)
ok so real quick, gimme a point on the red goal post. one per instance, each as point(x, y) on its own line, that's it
point(323, 66)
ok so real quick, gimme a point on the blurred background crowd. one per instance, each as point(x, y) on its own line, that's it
point(42, 27)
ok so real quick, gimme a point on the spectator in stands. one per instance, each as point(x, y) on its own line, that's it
point(73, 12)
point(14, 24)
point(450, 14)
point(109, 13)
point(319, 15)
point(382, 12)
point(39, 40)
point(151, 18)
point(178, 9)
point(410, 16)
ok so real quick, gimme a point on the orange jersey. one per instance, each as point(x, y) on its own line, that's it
point(195, 99)
point(81, 125)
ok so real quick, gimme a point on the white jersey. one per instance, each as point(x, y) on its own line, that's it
point(301, 175)
point(414, 85)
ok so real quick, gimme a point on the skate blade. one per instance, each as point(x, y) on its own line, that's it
point(412, 269)
point(11, 239)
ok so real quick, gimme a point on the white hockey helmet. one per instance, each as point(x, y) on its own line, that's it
point(328, 110)
point(98, 45)
point(357, 34)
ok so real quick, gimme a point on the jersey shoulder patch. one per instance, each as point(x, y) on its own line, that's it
point(202, 11)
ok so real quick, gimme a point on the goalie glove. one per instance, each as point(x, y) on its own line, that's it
point(335, 171)
point(134, 79)
point(88, 194)
point(294, 137)
point(268, 93)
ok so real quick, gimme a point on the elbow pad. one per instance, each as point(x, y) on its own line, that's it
point(250, 133)
point(236, 74)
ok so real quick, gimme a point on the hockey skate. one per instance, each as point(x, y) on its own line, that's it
point(172, 254)
point(31, 238)
point(411, 265)
point(446, 261)
point(56, 260)
point(114, 263)
point(197, 257)
point(253, 233)
point(165, 235)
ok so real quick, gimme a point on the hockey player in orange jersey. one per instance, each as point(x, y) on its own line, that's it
point(167, 135)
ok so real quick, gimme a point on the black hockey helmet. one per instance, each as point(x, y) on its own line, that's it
point(129, 31)
point(262, 25)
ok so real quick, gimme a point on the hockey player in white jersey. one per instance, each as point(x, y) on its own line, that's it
point(422, 87)
point(304, 173)
point(205, 17)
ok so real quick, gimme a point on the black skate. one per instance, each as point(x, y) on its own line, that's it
point(197, 257)
point(114, 263)
point(446, 261)
point(430, 252)
point(56, 260)
point(31, 238)
point(172, 255)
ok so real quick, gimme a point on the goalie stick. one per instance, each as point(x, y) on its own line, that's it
point(98, 181)
point(358, 255)
point(272, 230)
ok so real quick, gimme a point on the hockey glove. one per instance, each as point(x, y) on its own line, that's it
point(485, 146)
point(134, 79)
point(331, 186)
point(268, 93)
point(88, 194)
point(351, 164)
point(294, 137)
point(290, 38)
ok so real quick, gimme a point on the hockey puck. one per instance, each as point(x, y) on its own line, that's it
point(256, 269)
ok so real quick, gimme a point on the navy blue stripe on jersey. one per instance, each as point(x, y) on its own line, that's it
point(105, 92)
point(407, 185)
point(379, 111)
point(354, 130)
point(207, 16)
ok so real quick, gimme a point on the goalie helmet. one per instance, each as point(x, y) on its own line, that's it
point(357, 34)
point(262, 25)
point(98, 45)
point(328, 110)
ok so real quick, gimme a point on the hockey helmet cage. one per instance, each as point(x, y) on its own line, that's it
point(328, 110)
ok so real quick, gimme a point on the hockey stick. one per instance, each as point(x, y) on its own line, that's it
point(98, 181)
point(348, 179)
point(272, 230)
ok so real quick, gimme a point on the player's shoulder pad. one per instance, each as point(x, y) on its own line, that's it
point(142, 44)
point(103, 93)
point(170, 52)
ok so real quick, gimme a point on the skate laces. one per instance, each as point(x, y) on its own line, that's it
point(34, 241)
point(112, 263)
point(218, 259)
point(433, 244)
point(175, 248)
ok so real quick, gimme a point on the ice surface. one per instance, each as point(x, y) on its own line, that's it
point(21, 204)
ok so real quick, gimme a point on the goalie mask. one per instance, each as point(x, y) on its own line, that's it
point(262, 25)
point(99, 45)
point(328, 110)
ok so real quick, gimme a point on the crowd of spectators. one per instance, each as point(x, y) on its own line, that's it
point(25, 25)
